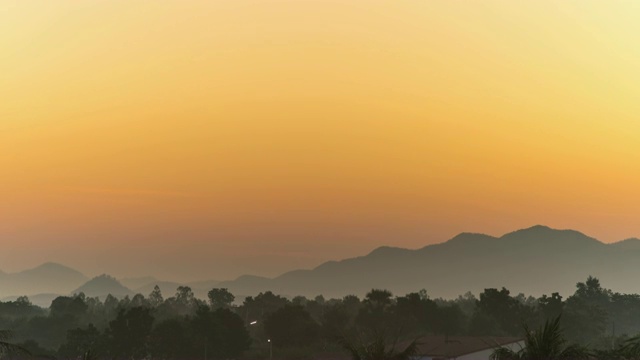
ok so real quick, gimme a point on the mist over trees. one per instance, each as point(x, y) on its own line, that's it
point(184, 326)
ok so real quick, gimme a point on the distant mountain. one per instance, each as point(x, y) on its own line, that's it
point(538, 260)
point(46, 278)
point(103, 285)
point(628, 244)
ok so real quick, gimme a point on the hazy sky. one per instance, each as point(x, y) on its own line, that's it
point(207, 139)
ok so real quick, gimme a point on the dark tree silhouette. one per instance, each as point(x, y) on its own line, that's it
point(547, 343)
point(80, 341)
point(129, 333)
point(220, 298)
point(291, 325)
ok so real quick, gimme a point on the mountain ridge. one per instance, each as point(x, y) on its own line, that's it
point(481, 261)
point(533, 260)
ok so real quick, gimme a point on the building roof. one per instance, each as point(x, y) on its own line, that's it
point(455, 346)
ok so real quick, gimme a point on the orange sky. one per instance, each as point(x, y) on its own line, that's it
point(207, 139)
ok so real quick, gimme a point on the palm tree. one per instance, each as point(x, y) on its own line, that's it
point(628, 350)
point(548, 343)
point(8, 348)
point(378, 349)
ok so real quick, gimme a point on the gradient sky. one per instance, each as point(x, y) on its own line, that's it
point(208, 139)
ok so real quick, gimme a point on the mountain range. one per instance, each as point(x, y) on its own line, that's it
point(537, 260)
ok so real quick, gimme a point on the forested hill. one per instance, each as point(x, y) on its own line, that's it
point(535, 261)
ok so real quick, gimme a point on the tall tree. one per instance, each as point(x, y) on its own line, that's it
point(586, 312)
point(69, 306)
point(376, 311)
point(155, 297)
point(416, 311)
point(220, 298)
point(551, 306)
point(129, 333)
point(498, 313)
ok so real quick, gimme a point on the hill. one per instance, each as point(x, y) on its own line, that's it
point(103, 285)
point(46, 278)
point(538, 260)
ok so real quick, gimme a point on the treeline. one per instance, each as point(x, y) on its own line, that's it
point(183, 326)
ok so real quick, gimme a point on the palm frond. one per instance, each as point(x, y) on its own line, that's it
point(5, 335)
point(378, 349)
point(351, 348)
point(547, 343)
point(576, 352)
point(8, 348)
point(630, 349)
point(503, 353)
point(409, 352)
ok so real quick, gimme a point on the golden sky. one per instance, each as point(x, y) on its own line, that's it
point(207, 139)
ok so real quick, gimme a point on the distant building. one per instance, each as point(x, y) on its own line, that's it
point(464, 347)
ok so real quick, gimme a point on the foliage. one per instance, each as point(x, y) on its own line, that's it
point(378, 348)
point(291, 325)
point(587, 312)
point(183, 326)
point(7, 347)
point(221, 332)
point(498, 313)
point(128, 334)
point(80, 341)
point(547, 343)
point(220, 298)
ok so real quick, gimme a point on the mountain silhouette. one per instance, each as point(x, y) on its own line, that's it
point(628, 244)
point(103, 285)
point(537, 260)
point(46, 278)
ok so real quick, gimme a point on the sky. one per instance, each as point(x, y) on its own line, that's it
point(208, 139)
